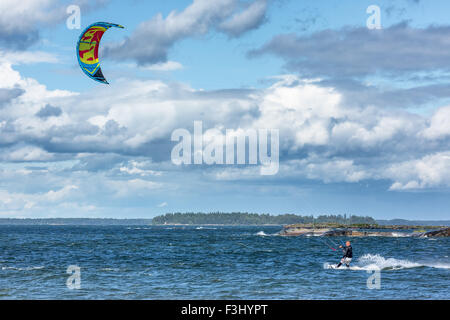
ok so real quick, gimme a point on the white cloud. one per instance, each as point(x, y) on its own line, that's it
point(198, 18)
point(18, 120)
point(138, 168)
point(164, 66)
point(439, 124)
point(21, 21)
point(59, 194)
point(27, 13)
point(18, 201)
point(26, 153)
point(330, 170)
point(162, 205)
point(133, 187)
point(250, 18)
point(384, 127)
point(321, 138)
point(431, 171)
point(27, 57)
point(301, 111)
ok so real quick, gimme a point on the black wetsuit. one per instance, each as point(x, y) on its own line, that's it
point(348, 253)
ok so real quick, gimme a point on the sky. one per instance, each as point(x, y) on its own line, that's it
point(363, 113)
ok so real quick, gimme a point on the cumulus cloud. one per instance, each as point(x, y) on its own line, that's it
point(439, 124)
point(328, 170)
point(20, 201)
point(27, 57)
point(396, 67)
point(139, 168)
point(133, 187)
point(49, 111)
point(392, 95)
point(25, 154)
point(116, 147)
point(6, 95)
point(120, 143)
point(431, 171)
point(20, 21)
point(164, 66)
point(150, 42)
point(250, 18)
point(59, 194)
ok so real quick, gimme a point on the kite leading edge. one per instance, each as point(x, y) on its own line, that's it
point(87, 49)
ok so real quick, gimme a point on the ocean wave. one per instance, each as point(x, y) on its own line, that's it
point(378, 262)
point(23, 268)
point(400, 235)
point(263, 234)
point(109, 269)
point(438, 265)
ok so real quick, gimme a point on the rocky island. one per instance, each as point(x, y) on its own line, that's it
point(335, 230)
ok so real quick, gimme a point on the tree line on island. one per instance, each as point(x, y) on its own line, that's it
point(245, 218)
point(237, 218)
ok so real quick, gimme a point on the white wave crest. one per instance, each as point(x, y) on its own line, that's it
point(400, 235)
point(23, 268)
point(378, 262)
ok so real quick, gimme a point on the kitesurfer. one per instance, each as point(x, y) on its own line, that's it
point(348, 255)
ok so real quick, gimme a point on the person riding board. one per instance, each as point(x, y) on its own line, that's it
point(348, 255)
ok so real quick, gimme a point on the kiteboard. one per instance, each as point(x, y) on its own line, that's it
point(335, 266)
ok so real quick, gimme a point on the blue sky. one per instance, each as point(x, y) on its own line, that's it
point(363, 115)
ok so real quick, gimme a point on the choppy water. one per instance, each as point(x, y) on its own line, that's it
point(159, 262)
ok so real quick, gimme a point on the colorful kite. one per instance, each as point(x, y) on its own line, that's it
point(87, 49)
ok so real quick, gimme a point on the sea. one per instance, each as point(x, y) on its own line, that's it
point(214, 262)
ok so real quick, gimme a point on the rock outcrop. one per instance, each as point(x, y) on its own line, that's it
point(298, 230)
point(302, 231)
point(356, 233)
point(437, 233)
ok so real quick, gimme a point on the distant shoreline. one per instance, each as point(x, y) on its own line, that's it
point(382, 224)
point(74, 221)
point(113, 222)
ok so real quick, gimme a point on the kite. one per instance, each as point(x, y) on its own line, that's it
point(87, 49)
